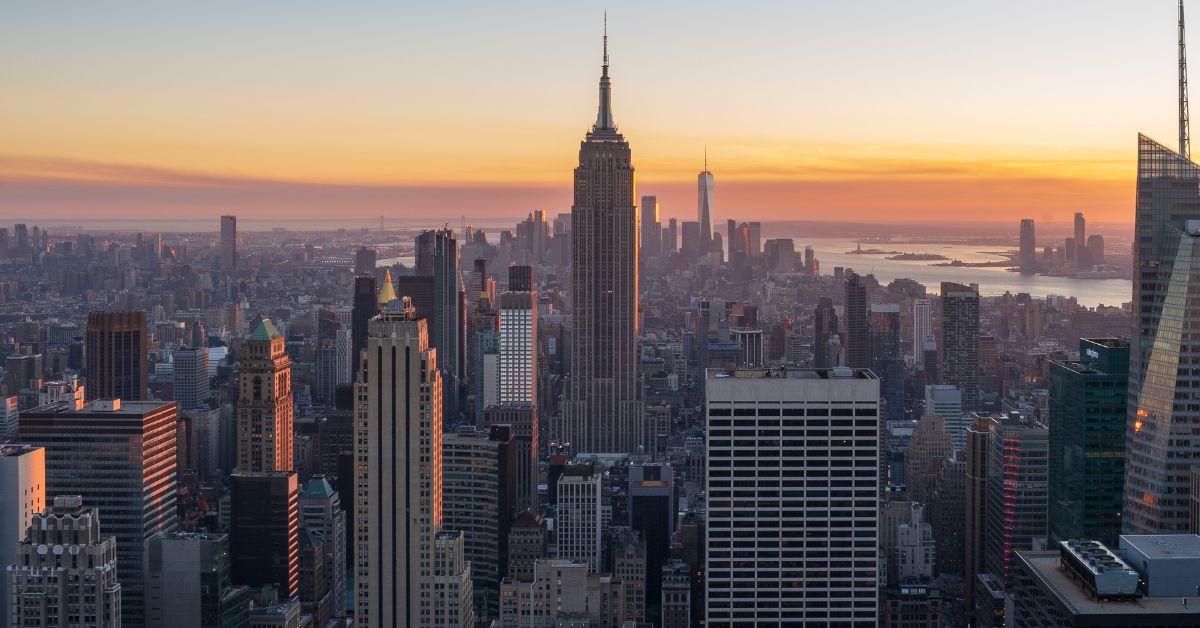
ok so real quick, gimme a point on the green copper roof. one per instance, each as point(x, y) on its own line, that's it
point(318, 486)
point(266, 330)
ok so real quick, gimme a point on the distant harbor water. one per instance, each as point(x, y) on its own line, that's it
point(993, 281)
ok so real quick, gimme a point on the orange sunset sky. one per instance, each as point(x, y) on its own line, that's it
point(873, 110)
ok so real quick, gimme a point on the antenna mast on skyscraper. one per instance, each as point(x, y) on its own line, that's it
point(1185, 142)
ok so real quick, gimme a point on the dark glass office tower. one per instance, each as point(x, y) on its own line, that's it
point(265, 530)
point(825, 324)
point(365, 306)
point(116, 355)
point(858, 339)
point(1087, 442)
point(1164, 365)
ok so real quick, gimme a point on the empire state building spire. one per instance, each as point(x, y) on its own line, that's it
point(604, 117)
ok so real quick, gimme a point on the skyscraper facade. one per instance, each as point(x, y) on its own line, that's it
point(1017, 482)
point(825, 324)
point(1087, 442)
point(1027, 257)
point(323, 520)
point(23, 493)
point(704, 207)
point(858, 339)
point(1081, 254)
point(960, 342)
point(365, 308)
point(228, 252)
point(580, 524)
point(65, 572)
point(116, 355)
point(651, 237)
point(190, 381)
point(188, 583)
point(398, 478)
point(264, 407)
point(886, 360)
point(1159, 444)
point(518, 347)
point(603, 410)
point(120, 457)
point(265, 530)
point(447, 325)
point(812, 503)
point(477, 500)
point(922, 327)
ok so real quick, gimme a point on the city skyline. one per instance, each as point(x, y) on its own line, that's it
point(1041, 130)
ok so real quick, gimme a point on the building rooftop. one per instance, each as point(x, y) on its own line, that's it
point(99, 406)
point(266, 330)
point(318, 486)
point(1046, 567)
point(1164, 546)
point(793, 373)
point(13, 450)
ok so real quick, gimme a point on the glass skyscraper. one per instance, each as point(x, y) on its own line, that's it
point(1087, 442)
point(1164, 367)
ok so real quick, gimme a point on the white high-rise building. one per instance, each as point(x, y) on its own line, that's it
point(580, 523)
point(922, 329)
point(398, 456)
point(23, 494)
point(793, 487)
point(518, 347)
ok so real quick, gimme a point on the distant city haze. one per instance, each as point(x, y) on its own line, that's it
point(907, 111)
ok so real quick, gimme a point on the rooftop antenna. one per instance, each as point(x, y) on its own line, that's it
point(1185, 147)
point(606, 33)
point(706, 152)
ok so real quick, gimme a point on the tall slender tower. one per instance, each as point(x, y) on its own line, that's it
point(1185, 139)
point(704, 205)
point(1160, 448)
point(228, 259)
point(264, 407)
point(858, 330)
point(398, 457)
point(603, 412)
point(960, 342)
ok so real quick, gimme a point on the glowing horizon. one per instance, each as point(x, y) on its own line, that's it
point(926, 111)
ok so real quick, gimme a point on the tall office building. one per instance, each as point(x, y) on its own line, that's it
point(580, 524)
point(120, 456)
point(975, 503)
point(447, 325)
point(603, 409)
point(265, 530)
point(1018, 469)
point(651, 236)
point(23, 493)
point(1027, 257)
point(188, 583)
point(190, 379)
point(886, 360)
point(116, 355)
point(364, 261)
point(228, 252)
point(1159, 443)
point(366, 306)
point(704, 206)
point(518, 346)
point(812, 506)
point(825, 326)
point(264, 406)
point(398, 457)
point(523, 419)
point(858, 339)
point(324, 521)
point(652, 513)
point(671, 236)
point(1087, 442)
point(1081, 256)
point(65, 572)
point(477, 500)
point(922, 328)
point(960, 342)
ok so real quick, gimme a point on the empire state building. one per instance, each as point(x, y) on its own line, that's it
point(603, 410)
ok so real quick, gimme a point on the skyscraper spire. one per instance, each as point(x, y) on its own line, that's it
point(604, 118)
point(1185, 147)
